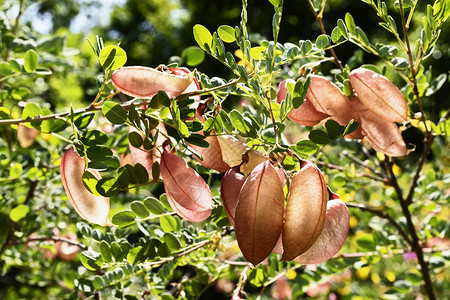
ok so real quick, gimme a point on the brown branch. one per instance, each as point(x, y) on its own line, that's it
point(322, 28)
point(365, 165)
point(382, 215)
point(428, 142)
point(49, 238)
point(331, 166)
point(415, 242)
point(391, 252)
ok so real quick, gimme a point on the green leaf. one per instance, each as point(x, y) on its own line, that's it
point(350, 23)
point(31, 110)
point(114, 112)
point(319, 137)
point(141, 173)
point(198, 140)
point(168, 223)
point(139, 209)
point(336, 35)
point(342, 28)
point(15, 171)
point(351, 127)
point(322, 41)
point(135, 139)
point(154, 206)
point(334, 129)
point(97, 282)
point(135, 255)
point(193, 56)
point(275, 3)
point(305, 148)
point(305, 47)
point(116, 251)
point(112, 57)
point(108, 186)
point(90, 182)
point(30, 61)
point(98, 153)
point(5, 69)
point(362, 36)
point(365, 242)
point(441, 10)
point(172, 241)
point(83, 120)
point(15, 65)
point(19, 212)
point(123, 218)
point(156, 170)
point(242, 72)
point(414, 278)
point(94, 137)
point(203, 37)
point(258, 276)
point(238, 122)
point(105, 251)
point(226, 33)
point(91, 260)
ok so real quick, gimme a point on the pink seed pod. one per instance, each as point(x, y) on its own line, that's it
point(379, 95)
point(305, 211)
point(187, 192)
point(333, 235)
point(230, 188)
point(383, 135)
point(259, 213)
point(145, 82)
point(93, 208)
point(306, 114)
point(212, 155)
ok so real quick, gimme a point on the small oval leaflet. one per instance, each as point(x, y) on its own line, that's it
point(114, 112)
point(226, 33)
point(203, 37)
point(112, 57)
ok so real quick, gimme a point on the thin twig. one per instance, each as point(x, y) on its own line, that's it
point(382, 215)
point(364, 164)
point(415, 242)
point(49, 238)
point(322, 28)
point(331, 166)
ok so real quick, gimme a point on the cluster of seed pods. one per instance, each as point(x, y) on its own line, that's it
point(376, 104)
point(309, 227)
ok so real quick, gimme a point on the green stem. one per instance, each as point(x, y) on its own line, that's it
point(411, 66)
point(322, 29)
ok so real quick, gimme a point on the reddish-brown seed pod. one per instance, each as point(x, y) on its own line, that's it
point(259, 213)
point(230, 188)
point(306, 114)
point(333, 235)
point(66, 251)
point(93, 208)
point(305, 210)
point(26, 135)
point(327, 98)
point(383, 135)
point(379, 95)
point(232, 151)
point(183, 185)
point(212, 155)
point(190, 215)
point(194, 86)
point(145, 82)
